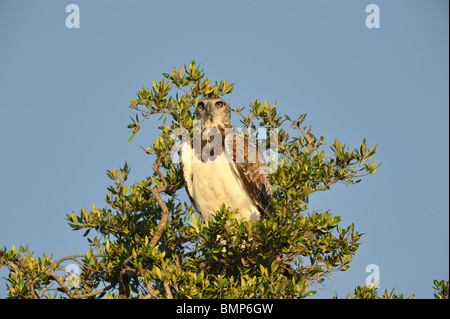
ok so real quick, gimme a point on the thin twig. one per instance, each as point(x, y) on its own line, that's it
point(182, 89)
point(51, 274)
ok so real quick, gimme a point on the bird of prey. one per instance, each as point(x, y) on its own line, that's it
point(222, 166)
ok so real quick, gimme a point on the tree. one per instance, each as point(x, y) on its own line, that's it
point(441, 288)
point(148, 243)
point(371, 292)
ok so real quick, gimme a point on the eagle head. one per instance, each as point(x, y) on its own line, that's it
point(213, 112)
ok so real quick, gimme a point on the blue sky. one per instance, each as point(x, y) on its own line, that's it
point(64, 96)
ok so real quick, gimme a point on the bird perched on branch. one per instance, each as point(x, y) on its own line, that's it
point(221, 166)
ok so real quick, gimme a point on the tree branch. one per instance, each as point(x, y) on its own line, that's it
point(165, 216)
point(167, 289)
point(165, 210)
point(51, 274)
point(152, 293)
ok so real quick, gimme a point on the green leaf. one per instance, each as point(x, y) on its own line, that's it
point(263, 270)
point(274, 266)
point(363, 148)
point(136, 129)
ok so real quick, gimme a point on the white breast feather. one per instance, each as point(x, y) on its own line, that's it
point(213, 183)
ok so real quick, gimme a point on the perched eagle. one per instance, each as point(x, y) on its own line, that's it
point(221, 166)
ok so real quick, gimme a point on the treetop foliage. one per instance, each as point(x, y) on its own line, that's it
point(148, 243)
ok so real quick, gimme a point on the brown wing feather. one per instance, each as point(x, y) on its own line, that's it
point(187, 177)
point(249, 163)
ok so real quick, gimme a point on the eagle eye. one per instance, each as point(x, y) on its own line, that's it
point(219, 104)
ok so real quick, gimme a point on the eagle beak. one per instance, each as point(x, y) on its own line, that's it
point(208, 107)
